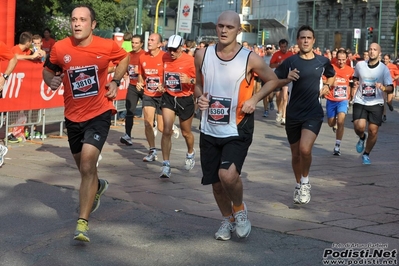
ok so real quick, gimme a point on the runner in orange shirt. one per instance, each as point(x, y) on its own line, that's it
point(151, 80)
point(133, 94)
point(82, 61)
point(394, 70)
point(177, 100)
point(281, 94)
point(338, 98)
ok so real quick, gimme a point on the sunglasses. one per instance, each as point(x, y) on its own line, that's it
point(173, 49)
point(269, 48)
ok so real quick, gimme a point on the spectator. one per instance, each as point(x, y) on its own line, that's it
point(127, 42)
point(48, 42)
point(22, 49)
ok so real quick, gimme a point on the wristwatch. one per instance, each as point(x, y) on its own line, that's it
point(5, 76)
point(118, 82)
point(192, 81)
point(326, 84)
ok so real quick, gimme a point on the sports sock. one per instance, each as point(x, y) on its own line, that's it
point(298, 185)
point(338, 142)
point(238, 208)
point(304, 180)
point(364, 137)
point(83, 220)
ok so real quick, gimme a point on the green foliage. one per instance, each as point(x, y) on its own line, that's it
point(35, 15)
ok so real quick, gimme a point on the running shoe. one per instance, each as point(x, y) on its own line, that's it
point(103, 187)
point(165, 173)
point(266, 113)
point(155, 128)
point(278, 117)
point(82, 231)
point(334, 129)
point(176, 131)
point(225, 230)
point(190, 161)
point(3, 152)
point(283, 121)
point(366, 159)
point(271, 106)
point(152, 156)
point(337, 150)
point(125, 139)
point(390, 106)
point(296, 195)
point(304, 193)
point(360, 144)
point(12, 139)
point(243, 225)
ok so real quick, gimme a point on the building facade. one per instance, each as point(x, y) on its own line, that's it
point(338, 22)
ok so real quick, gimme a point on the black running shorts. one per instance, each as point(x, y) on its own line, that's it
point(93, 131)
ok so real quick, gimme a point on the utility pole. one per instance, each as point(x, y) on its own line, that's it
point(139, 29)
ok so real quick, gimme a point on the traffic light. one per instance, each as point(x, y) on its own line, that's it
point(369, 33)
point(354, 43)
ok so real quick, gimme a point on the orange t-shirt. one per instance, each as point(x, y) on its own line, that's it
point(173, 69)
point(279, 57)
point(5, 53)
point(394, 70)
point(340, 91)
point(151, 69)
point(133, 64)
point(17, 50)
point(48, 44)
point(86, 72)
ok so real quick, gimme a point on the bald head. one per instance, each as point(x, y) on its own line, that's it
point(374, 52)
point(231, 16)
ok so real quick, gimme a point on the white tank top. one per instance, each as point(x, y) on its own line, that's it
point(227, 87)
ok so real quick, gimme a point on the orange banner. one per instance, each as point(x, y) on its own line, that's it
point(26, 90)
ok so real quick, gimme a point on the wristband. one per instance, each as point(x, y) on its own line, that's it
point(326, 84)
point(118, 82)
point(5, 76)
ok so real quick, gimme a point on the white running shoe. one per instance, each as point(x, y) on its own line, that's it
point(278, 117)
point(190, 161)
point(155, 129)
point(176, 131)
point(125, 139)
point(225, 230)
point(296, 195)
point(304, 193)
point(243, 225)
point(152, 156)
point(166, 172)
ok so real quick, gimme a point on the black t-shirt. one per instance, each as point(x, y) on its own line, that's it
point(303, 97)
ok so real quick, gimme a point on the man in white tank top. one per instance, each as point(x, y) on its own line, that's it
point(224, 91)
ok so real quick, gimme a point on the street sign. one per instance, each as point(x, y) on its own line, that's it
point(267, 34)
point(160, 30)
point(357, 33)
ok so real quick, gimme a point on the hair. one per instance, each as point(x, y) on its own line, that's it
point(282, 41)
point(25, 37)
point(389, 56)
point(342, 51)
point(127, 36)
point(139, 37)
point(159, 36)
point(92, 12)
point(190, 44)
point(304, 28)
point(47, 29)
point(36, 37)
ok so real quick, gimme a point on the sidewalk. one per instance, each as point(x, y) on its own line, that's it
point(147, 221)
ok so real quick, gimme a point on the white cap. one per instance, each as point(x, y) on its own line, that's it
point(175, 41)
point(269, 46)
